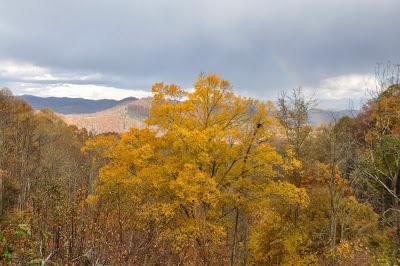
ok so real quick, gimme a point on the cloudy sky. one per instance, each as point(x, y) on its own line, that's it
point(114, 48)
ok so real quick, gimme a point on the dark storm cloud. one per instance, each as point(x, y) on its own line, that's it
point(261, 46)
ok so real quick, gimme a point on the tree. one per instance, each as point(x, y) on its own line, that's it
point(380, 162)
point(213, 178)
point(293, 110)
point(210, 156)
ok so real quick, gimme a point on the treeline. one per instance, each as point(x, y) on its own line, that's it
point(44, 179)
point(214, 179)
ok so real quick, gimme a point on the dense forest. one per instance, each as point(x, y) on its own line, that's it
point(213, 179)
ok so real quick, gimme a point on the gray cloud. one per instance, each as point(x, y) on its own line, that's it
point(261, 46)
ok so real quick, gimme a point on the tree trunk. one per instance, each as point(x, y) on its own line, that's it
point(233, 251)
point(1, 194)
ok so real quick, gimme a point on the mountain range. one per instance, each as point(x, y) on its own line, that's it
point(99, 116)
point(119, 118)
point(65, 105)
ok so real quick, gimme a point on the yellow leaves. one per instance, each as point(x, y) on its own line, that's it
point(92, 199)
point(268, 157)
point(195, 188)
point(190, 141)
point(100, 146)
point(263, 239)
point(193, 238)
point(284, 193)
point(291, 163)
point(158, 212)
point(136, 148)
point(357, 218)
point(211, 104)
point(384, 112)
point(275, 241)
point(117, 183)
point(210, 89)
point(167, 109)
point(160, 91)
point(213, 81)
point(346, 249)
point(275, 238)
point(295, 164)
point(213, 152)
point(353, 252)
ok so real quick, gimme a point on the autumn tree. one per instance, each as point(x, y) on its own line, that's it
point(191, 178)
point(293, 115)
point(379, 168)
point(43, 183)
point(213, 178)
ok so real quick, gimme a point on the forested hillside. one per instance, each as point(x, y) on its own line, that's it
point(120, 118)
point(212, 178)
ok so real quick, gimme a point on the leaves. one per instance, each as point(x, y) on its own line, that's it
point(213, 179)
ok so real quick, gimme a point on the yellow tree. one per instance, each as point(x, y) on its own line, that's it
point(191, 178)
point(226, 137)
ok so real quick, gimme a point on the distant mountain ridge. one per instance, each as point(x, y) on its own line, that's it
point(100, 116)
point(119, 118)
point(65, 105)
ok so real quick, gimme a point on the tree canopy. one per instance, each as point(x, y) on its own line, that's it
point(213, 179)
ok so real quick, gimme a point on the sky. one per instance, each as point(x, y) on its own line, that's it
point(114, 49)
